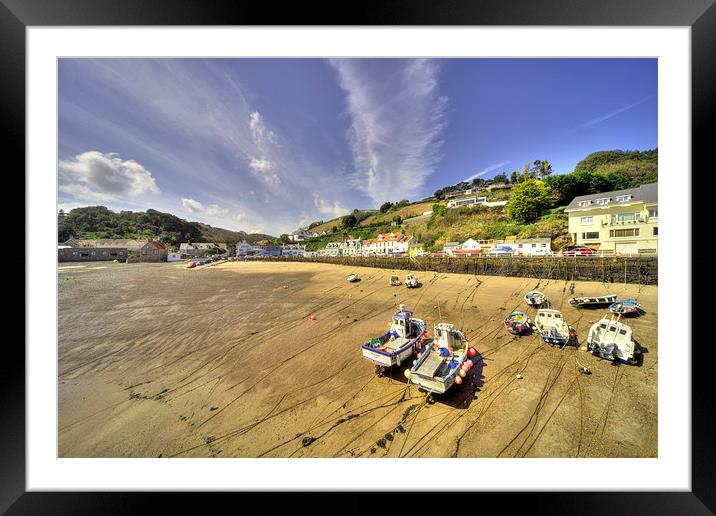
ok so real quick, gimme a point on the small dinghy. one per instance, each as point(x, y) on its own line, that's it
point(625, 307)
point(612, 340)
point(535, 298)
point(444, 362)
point(517, 322)
point(191, 265)
point(353, 278)
point(411, 281)
point(394, 281)
point(551, 327)
point(593, 301)
point(404, 337)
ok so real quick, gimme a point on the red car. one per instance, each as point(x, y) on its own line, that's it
point(577, 250)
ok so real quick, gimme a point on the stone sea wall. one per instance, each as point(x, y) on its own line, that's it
point(638, 269)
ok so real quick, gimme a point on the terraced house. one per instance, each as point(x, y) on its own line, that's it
point(624, 222)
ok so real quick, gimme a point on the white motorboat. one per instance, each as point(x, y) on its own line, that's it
point(611, 339)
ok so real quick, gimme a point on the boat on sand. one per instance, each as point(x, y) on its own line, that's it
point(535, 298)
point(611, 339)
point(404, 337)
point(625, 307)
point(593, 300)
point(411, 281)
point(551, 327)
point(444, 362)
point(353, 277)
point(517, 322)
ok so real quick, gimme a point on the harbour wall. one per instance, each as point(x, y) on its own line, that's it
point(623, 269)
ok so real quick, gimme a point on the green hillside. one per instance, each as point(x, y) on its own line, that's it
point(94, 222)
point(536, 200)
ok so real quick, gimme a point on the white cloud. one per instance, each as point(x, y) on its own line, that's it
point(487, 170)
point(97, 176)
point(397, 120)
point(212, 210)
point(327, 208)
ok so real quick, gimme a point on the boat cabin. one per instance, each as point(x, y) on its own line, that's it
point(446, 336)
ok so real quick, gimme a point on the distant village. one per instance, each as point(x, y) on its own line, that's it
point(622, 222)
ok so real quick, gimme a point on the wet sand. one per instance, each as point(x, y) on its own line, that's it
point(156, 360)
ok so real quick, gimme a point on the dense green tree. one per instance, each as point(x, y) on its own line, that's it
point(500, 178)
point(439, 209)
point(385, 207)
point(528, 200)
point(349, 221)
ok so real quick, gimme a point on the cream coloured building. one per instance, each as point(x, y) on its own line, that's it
point(624, 222)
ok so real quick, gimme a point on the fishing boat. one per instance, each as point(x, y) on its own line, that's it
point(551, 327)
point(517, 322)
point(625, 307)
point(593, 301)
point(405, 335)
point(443, 363)
point(394, 281)
point(353, 278)
point(535, 298)
point(411, 281)
point(611, 339)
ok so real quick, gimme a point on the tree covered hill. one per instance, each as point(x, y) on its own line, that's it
point(639, 167)
point(99, 222)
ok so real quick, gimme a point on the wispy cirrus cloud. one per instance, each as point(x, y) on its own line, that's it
point(397, 118)
point(487, 170)
point(611, 114)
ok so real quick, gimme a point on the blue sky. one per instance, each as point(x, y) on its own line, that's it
point(268, 145)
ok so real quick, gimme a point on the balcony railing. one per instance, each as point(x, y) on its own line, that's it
point(617, 222)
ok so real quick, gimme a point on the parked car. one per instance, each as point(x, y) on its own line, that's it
point(501, 250)
point(577, 250)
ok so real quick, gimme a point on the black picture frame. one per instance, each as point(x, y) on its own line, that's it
point(700, 15)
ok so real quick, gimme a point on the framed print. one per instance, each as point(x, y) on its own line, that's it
point(416, 250)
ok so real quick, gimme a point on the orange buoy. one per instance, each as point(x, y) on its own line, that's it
point(313, 317)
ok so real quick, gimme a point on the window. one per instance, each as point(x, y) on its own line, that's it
point(585, 221)
point(626, 218)
point(623, 198)
point(616, 233)
point(656, 231)
point(654, 213)
point(582, 204)
point(590, 235)
point(602, 202)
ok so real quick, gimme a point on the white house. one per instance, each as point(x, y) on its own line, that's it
point(466, 201)
point(352, 247)
point(387, 244)
point(174, 257)
point(299, 235)
point(532, 246)
point(293, 250)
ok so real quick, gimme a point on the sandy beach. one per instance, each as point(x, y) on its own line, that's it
point(156, 360)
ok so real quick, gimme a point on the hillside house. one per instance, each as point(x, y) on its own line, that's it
point(466, 201)
point(624, 222)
